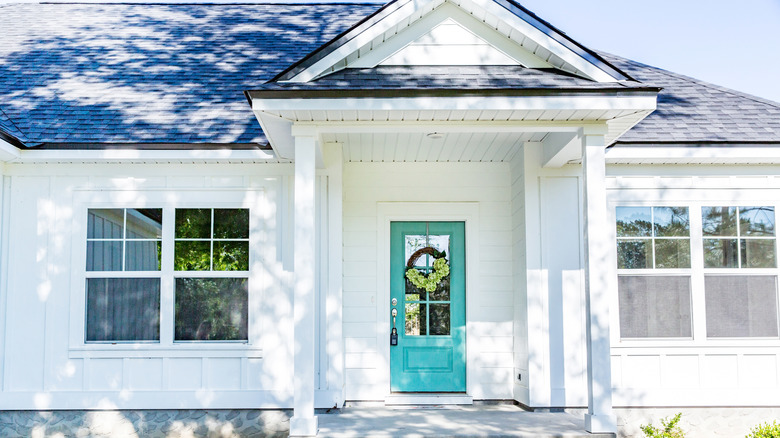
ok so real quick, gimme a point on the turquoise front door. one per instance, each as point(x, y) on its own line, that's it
point(430, 355)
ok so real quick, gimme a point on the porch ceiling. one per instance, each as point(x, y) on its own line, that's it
point(420, 147)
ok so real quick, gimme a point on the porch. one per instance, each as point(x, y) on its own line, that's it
point(500, 420)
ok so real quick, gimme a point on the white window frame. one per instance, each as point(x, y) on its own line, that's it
point(694, 201)
point(262, 247)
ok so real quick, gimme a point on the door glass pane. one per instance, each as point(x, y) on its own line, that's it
point(413, 293)
point(415, 324)
point(413, 243)
point(442, 292)
point(440, 319)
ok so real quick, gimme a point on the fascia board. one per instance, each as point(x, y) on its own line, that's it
point(694, 154)
point(544, 40)
point(8, 152)
point(386, 23)
point(440, 14)
point(633, 101)
point(125, 155)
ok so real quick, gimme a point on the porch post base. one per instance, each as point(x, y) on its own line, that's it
point(600, 423)
point(303, 426)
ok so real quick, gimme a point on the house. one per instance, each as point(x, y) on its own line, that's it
point(297, 205)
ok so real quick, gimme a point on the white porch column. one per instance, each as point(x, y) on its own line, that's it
point(600, 417)
point(303, 422)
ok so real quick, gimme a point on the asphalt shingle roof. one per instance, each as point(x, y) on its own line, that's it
point(694, 111)
point(126, 73)
point(155, 73)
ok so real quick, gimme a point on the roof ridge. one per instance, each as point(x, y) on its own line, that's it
point(701, 82)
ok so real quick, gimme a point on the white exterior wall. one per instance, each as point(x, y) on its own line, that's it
point(46, 365)
point(371, 187)
point(550, 347)
point(698, 371)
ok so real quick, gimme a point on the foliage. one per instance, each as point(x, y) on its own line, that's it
point(765, 430)
point(440, 270)
point(669, 429)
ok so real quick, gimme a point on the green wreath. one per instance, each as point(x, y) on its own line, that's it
point(441, 269)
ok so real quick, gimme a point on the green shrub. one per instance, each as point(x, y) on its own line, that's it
point(669, 429)
point(765, 430)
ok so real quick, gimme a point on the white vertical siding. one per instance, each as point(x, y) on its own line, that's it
point(697, 371)
point(366, 185)
point(38, 355)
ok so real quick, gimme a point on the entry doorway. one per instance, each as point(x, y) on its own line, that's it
point(428, 301)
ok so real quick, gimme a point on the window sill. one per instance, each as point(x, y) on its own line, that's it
point(189, 350)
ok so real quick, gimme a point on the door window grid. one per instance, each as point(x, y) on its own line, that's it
point(427, 313)
point(698, 273)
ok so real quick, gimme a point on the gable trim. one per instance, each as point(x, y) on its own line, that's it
point(423, 26)
point(567, 52)
point(340, 40)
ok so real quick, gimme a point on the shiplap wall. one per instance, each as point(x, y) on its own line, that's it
point(491, 318)
point(699, 371)
point(40, 369)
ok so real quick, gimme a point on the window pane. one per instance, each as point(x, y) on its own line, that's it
point(104, 255)
point(143, 255)
point(105, 223)
point(231, 223)
point(741, 306)
point(440, 319)
point(654, 306)
point(758, 253)
point(757, 221)
point(415, 319)
point(193, 223)
point(231, 256)
point(123, 309)
point(211, 309)
point(633, 221)
point(672, 253)
point(720, 253)
point(192, 256)
point(671, 221)
point(635, 254)
point(719, 221)
point(144, 223)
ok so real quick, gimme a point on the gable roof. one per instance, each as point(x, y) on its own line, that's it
point(551, 46)
point(175, 75)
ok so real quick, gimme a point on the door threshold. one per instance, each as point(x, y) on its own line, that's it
point(428, 398)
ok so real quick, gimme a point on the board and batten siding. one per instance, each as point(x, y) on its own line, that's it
point(490, 308)
point(43, 368)
point(695, 371)
point(550, 360)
